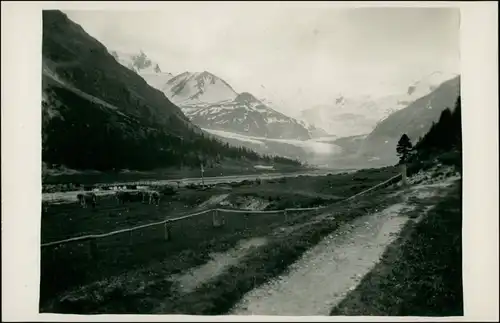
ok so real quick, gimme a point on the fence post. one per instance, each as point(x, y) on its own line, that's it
point(286, 215)
point(246, 220)
point(130, 237)
point(92, 248)
point(168, 234)
point(403, 175)
point(215, 220)
point(53, 253)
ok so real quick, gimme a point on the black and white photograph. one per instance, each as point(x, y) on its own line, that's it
point(252, 158)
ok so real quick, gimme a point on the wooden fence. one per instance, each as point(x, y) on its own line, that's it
point(217, 218)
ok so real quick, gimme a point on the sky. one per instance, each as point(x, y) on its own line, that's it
point(297, 56)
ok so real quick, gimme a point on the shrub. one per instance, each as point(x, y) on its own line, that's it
point(451, 158)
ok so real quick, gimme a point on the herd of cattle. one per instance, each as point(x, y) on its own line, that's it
point(145, 196)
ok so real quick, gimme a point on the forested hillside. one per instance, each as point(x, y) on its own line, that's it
point(443, 141)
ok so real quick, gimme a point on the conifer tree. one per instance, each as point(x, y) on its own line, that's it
point(404, 148)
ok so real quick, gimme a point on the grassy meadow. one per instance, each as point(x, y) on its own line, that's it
point(147, 254)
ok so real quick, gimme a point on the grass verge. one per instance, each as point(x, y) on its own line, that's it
point(72, 266)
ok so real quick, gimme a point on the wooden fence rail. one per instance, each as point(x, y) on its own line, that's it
point(215, 212)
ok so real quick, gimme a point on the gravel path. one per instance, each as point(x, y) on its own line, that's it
point(220, 262)
point(327, 272)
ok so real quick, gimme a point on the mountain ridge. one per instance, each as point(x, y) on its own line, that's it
point(336, 118)
point(246, 114)
point(211, 102)
point(141, 64)
point(190, 88)
point(415, 120)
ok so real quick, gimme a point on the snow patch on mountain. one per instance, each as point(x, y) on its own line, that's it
point(211, 102)
point(141, 64)
point(354, 115)
point(246, 115)
point(203, 88)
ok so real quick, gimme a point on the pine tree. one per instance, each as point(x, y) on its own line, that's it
point(404, 148)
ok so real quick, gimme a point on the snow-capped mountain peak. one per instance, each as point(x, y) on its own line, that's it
point(349, 115)
point(210, 102)
point(246, 98)
point(140, 63)
point(197, 88)
point(428, 83)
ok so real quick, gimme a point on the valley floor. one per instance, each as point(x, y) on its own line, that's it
point(340, 261)
point(56, 177)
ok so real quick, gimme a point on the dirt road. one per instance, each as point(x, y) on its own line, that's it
point(327, 272)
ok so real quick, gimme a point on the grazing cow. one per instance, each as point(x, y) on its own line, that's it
point(154, 196)
point(122, 197)
point(84, 198)
point(81, 199)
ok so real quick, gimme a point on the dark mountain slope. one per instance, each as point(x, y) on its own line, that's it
point(83, 62)
point(415, 120)
point(98, 114)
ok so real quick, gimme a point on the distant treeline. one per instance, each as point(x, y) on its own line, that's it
point(82, 134)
